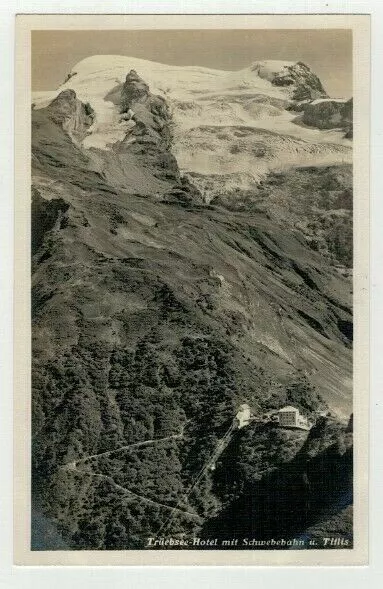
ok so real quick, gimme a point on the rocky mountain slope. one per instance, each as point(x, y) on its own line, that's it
point(173, 280)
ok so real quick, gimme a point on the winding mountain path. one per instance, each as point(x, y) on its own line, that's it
point(73, 467)
point(140, 497)
point(73, 464)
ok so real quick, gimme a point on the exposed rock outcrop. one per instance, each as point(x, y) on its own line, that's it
point(75, 117)
point(151, 136)
point(301, 82)
point(142, 162)
point(329, 114)
point(46, 214)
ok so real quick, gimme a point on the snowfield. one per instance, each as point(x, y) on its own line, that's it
point(230, 124)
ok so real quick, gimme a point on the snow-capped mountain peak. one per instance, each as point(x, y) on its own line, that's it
point(236, 125)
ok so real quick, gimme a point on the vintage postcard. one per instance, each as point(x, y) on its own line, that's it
point(192, 222)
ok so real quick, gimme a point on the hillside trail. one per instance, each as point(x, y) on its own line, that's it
point(137, 496)
point(73, 467)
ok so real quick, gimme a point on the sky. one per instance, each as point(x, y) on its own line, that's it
point(328, 52)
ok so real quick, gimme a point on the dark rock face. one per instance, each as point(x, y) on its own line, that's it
point(309, 97)
point(151, 113)
point(150, 139)
point(141, 163)
point(318, 201)
point(74, 116)
point(55, 149)
point(347, 115)
point(133, 90)
point(329, 114)
point(304, 84)
point(45, 215)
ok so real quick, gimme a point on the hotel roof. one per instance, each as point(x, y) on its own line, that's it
point(288, 408)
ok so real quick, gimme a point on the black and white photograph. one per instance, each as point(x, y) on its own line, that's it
point(192, 283)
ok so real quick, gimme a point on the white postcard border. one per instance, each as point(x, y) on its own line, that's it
point(23, 555)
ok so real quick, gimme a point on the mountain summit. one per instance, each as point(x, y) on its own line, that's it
point(220, 119)
point(297, 77)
